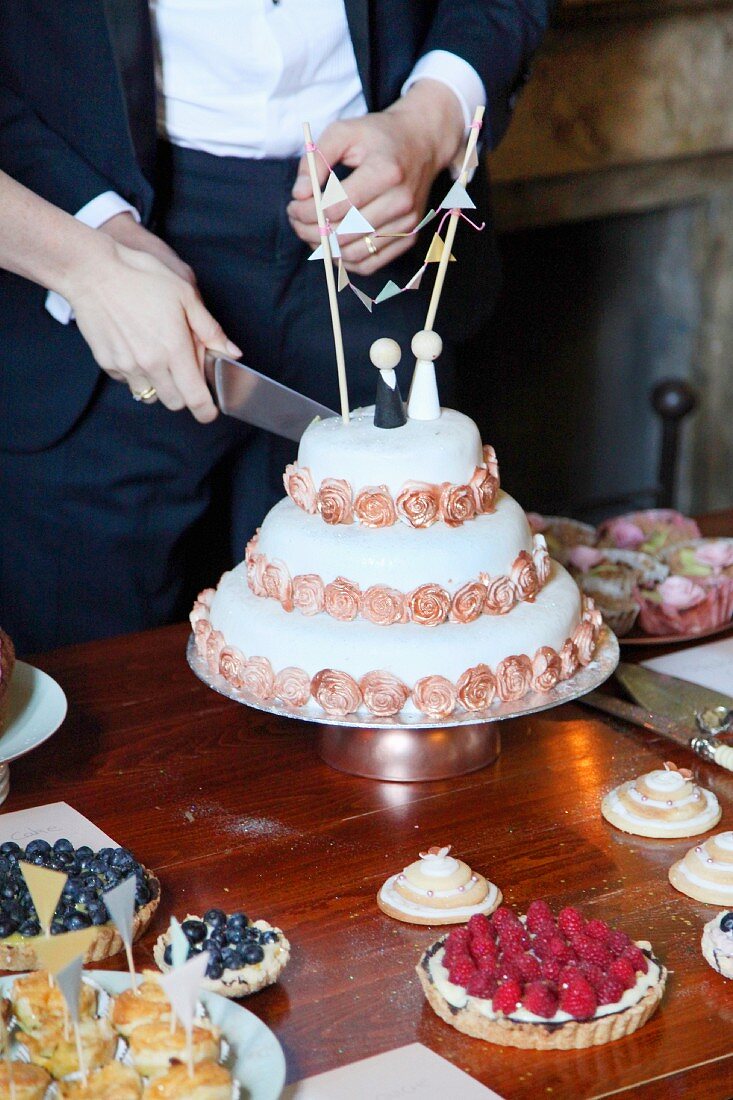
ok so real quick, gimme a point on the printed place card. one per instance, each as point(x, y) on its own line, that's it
point(51, 822)
point(710, 665)
point(409, 1073)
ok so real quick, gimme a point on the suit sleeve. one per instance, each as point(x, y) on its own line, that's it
point(37, 157)
point(498, 38)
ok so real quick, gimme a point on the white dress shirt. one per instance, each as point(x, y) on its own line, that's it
point(238, 77)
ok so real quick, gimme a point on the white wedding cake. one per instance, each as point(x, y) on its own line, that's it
point(396, 577)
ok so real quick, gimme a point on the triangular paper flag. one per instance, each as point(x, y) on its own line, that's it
point(435, 251)
point(354, 222)
point(45, 888)
point(388, 291)
point(182, 987)
point(457, 198)
point(317, 254)
point(179, 944)
point(56, 952)
point(416, 279)
point(69, 982)
point(471, 162)
point(363, 298)
point(428, 218)
point(343, 279)
point(120, 902)
point(334, 192)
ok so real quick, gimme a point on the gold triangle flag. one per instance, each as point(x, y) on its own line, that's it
point(45, 888)
point(435, 252)
point(56, 952)
point(343, 278)
point(333, 193)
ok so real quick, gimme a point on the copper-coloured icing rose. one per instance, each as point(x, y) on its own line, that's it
point(342, 599)
point(277, 583)
point(374, 507)
point(337, 692)
point(251, 547)
point(206, 596)
point(546, 669)
point(384, 694)
point(383, 606)
point(584, 637)
point(201, 631)
point(477, 688)
point(457, 504)
point(299, 487)
point(214, 645)
point(484, 488)
point(569, 659)
point(293, 686)
point(198, 611)
point(435, 696)
point(334, 501)
point(524, 576)
point(468, 602)
point(490, 460)
point(232, 663)
point(418, 503)
point(591, 614)
point(541, 559)
point(513, 677)
point(308, 593)
point(501, 595)
point(256, 574)
point(428, 605)
point(258, 679)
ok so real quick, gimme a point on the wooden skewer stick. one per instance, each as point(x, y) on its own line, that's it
point(330, 281)
point(452, 225)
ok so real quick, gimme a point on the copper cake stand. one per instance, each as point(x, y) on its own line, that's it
point(412, 749)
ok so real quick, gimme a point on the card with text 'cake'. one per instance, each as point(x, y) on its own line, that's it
point(49, 822)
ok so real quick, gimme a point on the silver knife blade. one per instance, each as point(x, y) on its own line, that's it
point(668, 695)
point(639, 716)
point(247, 395)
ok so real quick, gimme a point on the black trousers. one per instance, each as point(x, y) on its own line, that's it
point(116, 527)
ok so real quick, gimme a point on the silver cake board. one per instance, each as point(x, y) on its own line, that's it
point(410, 749)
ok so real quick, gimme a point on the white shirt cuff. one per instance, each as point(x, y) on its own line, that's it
point(95, 213)
point(450, 69)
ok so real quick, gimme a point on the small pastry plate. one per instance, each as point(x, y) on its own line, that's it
point(586, 679)
point(36, 707)
point(255, 1059)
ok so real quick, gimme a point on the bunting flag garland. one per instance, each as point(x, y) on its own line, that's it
point(45, 887)
point(414, 283)
point(343, 278)
point(458, 198)
point(363, 298)
point(335, 250)
point(388, 291)
point(333, 192)
point(435, 251)
point(354, 223)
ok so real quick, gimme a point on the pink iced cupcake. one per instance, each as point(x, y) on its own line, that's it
point(686, 605)
point(561, 534)
point(649, 531)
point(702, 558)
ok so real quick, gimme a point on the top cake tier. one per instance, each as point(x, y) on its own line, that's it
point(446, 449)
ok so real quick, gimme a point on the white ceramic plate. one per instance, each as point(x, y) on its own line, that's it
point(255, 1059)
point(36, 707)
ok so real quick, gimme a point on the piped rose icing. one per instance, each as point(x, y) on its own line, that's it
point(706, 871)
point(438, 888)
point(662, 803)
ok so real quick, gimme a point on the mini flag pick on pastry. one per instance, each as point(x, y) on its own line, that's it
point(56, 952)
point(179, 944)
point(45, 888)
point(182, 987)
point(69, 982)
point(120, 902)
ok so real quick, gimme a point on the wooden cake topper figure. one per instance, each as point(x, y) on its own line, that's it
point(389, 412)
point(424, 403)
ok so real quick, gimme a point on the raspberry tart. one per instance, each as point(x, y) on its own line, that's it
point(437, 889)
point(542, 983)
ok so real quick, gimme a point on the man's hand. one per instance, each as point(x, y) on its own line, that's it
point(125, 230)
point(146, 324)
point(396, 155)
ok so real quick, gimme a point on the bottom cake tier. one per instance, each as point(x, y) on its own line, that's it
point(359, 667)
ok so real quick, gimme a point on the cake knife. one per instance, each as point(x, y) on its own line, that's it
point(247, 395)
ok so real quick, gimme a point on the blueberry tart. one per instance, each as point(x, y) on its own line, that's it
point(244, 955)
point(90, 875)
point(717, 943)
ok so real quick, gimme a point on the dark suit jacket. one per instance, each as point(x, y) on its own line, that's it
point(77, 117)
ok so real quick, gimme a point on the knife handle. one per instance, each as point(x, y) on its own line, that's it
point(713, 752)
point(723, 755)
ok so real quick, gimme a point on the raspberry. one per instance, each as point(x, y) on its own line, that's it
point(458, 938)
point(541, 944)
point(610, 991)
point(503, 917)
point(570, 921)
point(579, 999)
point(617, 942)
point(461, 971)
point(479, 927)
point(621, 970)
point(540, 998)
point(483, 949)
point(529, 968)
point(514, 935)
point(483, 986)
point(591, 950)
point(597, 930)
point(487, 965)
point(636, 957)
point(551, 969)
point(507, 996)
point(568, 974)
point(558, 949)
point(510, 966)
point(538, 915)
point(593, 973)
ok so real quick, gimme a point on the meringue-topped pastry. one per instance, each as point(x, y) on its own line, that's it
point(437, 889)
point(664, 803)
point(706, 871)
point(144, 1005)
point(717, 943)
point(56, 1051)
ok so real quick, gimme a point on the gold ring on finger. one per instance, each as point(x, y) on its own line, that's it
point(371, 247)
point(144, 395)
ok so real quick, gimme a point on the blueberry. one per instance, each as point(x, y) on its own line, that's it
point(232, 958)
point(97, 866)
point(194, 931)
point(67, 860)
point(215, 969)
point(215, 918)
point(7, 890)
point(726, 922)
point(38, 845)
point(14, 911)
point(53, 862)
point(57, 926)
point(142, 895)
point(253, 953)
point(77, 920)
point(7, 927)
point(235, 935)
point(38, 859)
point(217, 938)
point(269, 937)
point(251, 934)
point(30, 928)
point(10, 847)
point(98, 913)
point(168, 955)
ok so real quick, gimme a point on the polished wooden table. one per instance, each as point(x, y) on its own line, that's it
point(232, 808)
